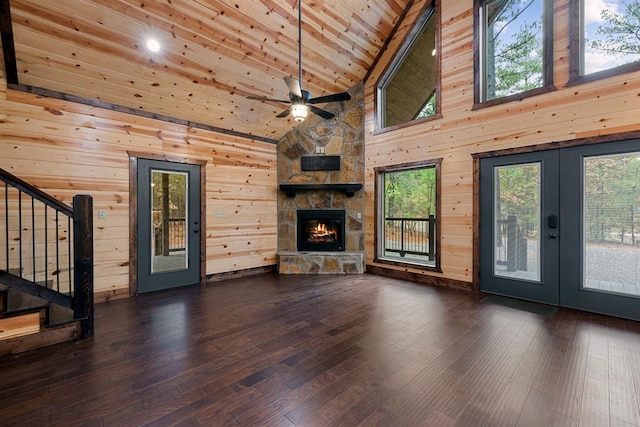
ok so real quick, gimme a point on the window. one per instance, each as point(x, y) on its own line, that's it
point(408, 214)
point(514, 49)
point(408, 90)
point(605, 38)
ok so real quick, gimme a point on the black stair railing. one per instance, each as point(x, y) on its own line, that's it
point(48, 245)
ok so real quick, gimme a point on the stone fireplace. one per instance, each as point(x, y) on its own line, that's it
point(320, 197)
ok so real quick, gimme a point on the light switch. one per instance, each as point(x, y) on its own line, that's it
point(102, 214)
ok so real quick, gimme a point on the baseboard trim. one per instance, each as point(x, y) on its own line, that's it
point(424, 279)
point(101, 297)
point(219, 277)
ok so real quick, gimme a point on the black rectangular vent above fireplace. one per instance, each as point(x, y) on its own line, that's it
point(321, 230)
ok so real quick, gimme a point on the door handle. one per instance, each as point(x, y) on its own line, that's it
point(553, 235)
point(196, 231)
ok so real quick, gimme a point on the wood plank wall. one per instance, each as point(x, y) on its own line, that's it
point(603, 107)
point(67, 149)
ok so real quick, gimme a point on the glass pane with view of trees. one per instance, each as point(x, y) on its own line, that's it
point(409, 215)
point(517, 221)
point(612, 223)
point(610, 33)
point(514, 59)
point(169, 213)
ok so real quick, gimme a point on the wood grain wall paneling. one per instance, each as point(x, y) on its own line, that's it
point(66, 148)
point(605, 107)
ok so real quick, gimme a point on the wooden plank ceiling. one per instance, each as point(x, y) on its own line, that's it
point(213, 53)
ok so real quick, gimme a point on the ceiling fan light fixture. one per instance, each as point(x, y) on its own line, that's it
point(299, 112)
point(153, 45)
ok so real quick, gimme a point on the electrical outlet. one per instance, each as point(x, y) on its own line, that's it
point(218, 214)
point(358, 215)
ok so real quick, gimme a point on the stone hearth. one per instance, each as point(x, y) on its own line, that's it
point(341, 136)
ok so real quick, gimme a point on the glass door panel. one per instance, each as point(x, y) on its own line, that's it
point(169, 245)
point(517, 221)
point(169, 222)
point(611, 223)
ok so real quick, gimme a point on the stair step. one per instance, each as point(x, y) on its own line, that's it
point(47, 337)
point(28, 321)
point(22, 314)
point(19, 301)
point(59, 315)
point(20, 325)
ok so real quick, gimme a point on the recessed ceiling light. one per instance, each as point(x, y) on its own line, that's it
point(153, 45)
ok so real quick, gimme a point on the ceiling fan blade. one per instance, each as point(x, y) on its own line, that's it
point(264, 98)
point(342, 96)
point(322, 113)
point(294, 86)
point(285, 113)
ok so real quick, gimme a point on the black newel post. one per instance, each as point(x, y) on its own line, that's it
point(83, 262)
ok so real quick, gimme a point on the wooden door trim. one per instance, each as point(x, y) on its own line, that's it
point(133, 211)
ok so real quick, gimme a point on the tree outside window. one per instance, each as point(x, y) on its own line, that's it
point(513, 48)
point(408, 214)
point(610, 34)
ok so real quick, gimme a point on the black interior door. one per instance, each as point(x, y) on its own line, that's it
point(168, 225)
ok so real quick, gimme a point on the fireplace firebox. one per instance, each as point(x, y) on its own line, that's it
point(321, 230)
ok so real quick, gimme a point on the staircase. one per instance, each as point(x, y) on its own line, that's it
point(46, 267)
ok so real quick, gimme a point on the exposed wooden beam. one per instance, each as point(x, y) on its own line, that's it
point(128, 110)
point(8, 48)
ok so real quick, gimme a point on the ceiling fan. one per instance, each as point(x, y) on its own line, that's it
point(300, 100)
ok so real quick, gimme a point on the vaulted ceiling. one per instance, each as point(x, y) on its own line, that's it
point(213, 53)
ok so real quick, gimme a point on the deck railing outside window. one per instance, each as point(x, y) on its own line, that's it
point(411, 236)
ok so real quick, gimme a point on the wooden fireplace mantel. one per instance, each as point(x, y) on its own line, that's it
point(348, 188)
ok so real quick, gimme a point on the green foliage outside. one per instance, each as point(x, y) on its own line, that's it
point(514, 62)
point(518, 190)
point(514, 59)
point(177, 185)
point(429, 108)
point(612, 198)
point(410, 193)
point(620, 32)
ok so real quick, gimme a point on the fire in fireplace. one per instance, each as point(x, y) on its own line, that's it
point(321, 230)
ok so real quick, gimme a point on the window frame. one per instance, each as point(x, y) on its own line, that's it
point(576, 51)
point(379, 213)
point(480, 58)
point(430, 10)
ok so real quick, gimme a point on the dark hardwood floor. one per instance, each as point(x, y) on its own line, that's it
point(275, 350)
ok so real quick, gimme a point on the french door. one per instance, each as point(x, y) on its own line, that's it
point(562, 227)
point(168, 225)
